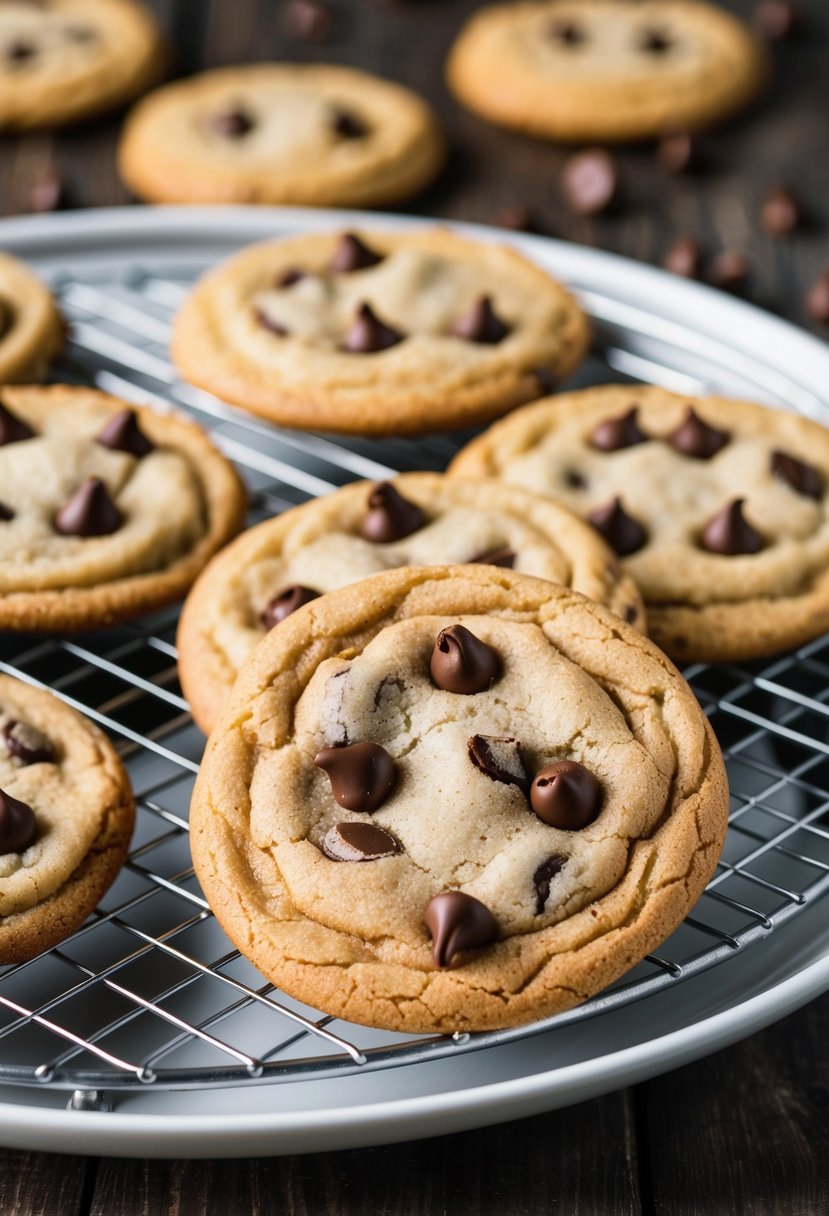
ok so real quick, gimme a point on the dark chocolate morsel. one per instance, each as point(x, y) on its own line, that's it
point(803, 478)
point(368, 334)
point(462, 663)
point(481, 324)
point(390, 516)
point(89, 512)
point(504, 557)
point(231, 124)
point(290, 276)
point(20, 52)
point(568, 33)
point(268, 323)
point(623, 533)
point(542, 878)
point(12, 429)
point(500, 758)
point(27, 744)
point(589, 181)
point(352, 254)
point(780, 213)
point(347, 125)
point(655, 42)
point(677, 152)
point(683, 258)
point(361, 774)
point(123, 434)
point(729, 532)
point(697, 438)
point(285, 603)
point(358, 842)
point(574, 479)
point(18, 827)
point(615, 433)
point(457, 922)
point(631, 613)
point(6, 513)
point(565, 795)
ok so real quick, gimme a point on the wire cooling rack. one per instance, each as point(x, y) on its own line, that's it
point(149, 991)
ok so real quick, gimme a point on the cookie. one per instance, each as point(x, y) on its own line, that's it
point(719, 509)
point(65, 60)
point(311, 134)
point(66, 817)
point(455, 798)
point(31, 328)
point(106, 511)
point(605, 70)
point(418, 519)
point(378, 333)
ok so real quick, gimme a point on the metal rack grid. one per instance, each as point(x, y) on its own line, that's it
point(149, 991)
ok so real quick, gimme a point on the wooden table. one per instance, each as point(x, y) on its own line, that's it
point(746, 1131)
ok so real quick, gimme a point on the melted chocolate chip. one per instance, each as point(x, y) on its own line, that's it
point(683, 258)
point(123, 434)
point(590, 181)
point(623, 533)
point(285, 603)
point(462, 663)
point(803, 478)
point(504, 558)
point(358, 842)
point(697, 438)
point(361, 774)
point(780, 213)
point(574, 479)
point(18, 827)
point(290, 276)
point(677, 152)
point(89, 512)
point(542, 878)
point(352, 254)
point(12, 428)
point(20, 52)
point(500, 758)
point(729, 532)
point(368, 334)
point(390, 516)
point(267, 322)
point(457, 922)
point(347, 125)
point(615, 433)
point(655, 42)
point(630, 613)
point(231, 124)
point(481, 324)
point(6, 513)
point(568, 33)
point(27, 744)
point(565, 795)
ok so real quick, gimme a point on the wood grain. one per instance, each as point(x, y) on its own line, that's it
point(44, 1184)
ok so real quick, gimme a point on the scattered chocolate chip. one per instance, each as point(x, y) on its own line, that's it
point(361, 774)
point(683, 258)
point(503, 557)
point(631, 613)
point(18, 827)
point(729, 532)
point(677, 152)
point(12, 428)
point(729, 270)
point(480, 323)
point(352, 254)
point(547, 380)
point(542, 878)
point(517, 218)
point(776, 20)
point(817, 299)
point(347, 125)
point(358, 842)
point(565, 795)
point(457, 922)
point(48, 192)
point(230, 124)
point(780, 213)
point(590, 181)
point(6, 513)
point(621, 531)
point(390, 516)
point(27, 744)
point(308, 20)
point(575, 480)
point(368, 334)
point(20, 52)
point(803, 478)
point(615, 433)
point(285, 603)
point(123, 434)
point(695, 437)
point(569, 33)
point(462, 663)
point(290, 276)
point(655, 42)
point(89, 512)
point(500, 758)
point(267, 322)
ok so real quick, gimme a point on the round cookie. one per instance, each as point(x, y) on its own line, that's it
point(381, 333)
point(494, 798)
point(31, 328)
point(310, 134)
point(719, 509)
point(418, 519)
point(66, 817)
point(605, 70)
point(64, 60)
point(105, 511)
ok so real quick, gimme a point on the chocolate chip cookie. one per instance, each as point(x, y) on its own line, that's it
point(378, 332)
point(493, 797)
point(31, 328)
point(105, 511)
point(311, 134)
point(418, 519)
point(66, 817)
point(605, 69)
point(719, 509)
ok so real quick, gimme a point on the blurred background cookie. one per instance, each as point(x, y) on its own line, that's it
point(31, 328)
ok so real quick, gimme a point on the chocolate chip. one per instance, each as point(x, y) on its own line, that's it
point(89, 512)
point(390, 516)
point(457, 922)
point(655, 42)
point(123, 434)
point(12, 428)
point(358, 842)
point(347, 125)
point(290, 276)
point(565, 795)
point(590, 181)
point(231, 124)
point(6, 513)
point(780, 213)
point(630, 613)
point(729, 532)
point(48, 193)
point(683, 258)
point(500, 758)
point(574, 479)
point(615, 433)
point(695, 437)
point(20, 52)
point(621, 531)
point(267, 322)
point(817, 299)
point(368, 334)
point(517, 218)
point(547, 380)
point(285, 603)
point(352, 254)
point(462, 663)
point(542, 878)
point(729, 270)
point(480, 323)
point(677, 152)
point(361, 774)
point(568, 33)
point(308, 20)
point(495, 557)
point(18, 827)
point(776, 20)
point(27, 744)
point(803, 478)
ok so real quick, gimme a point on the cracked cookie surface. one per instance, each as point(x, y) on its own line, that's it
point(354, 715)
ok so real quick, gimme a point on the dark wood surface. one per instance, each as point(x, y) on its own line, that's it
point(746, 1131)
